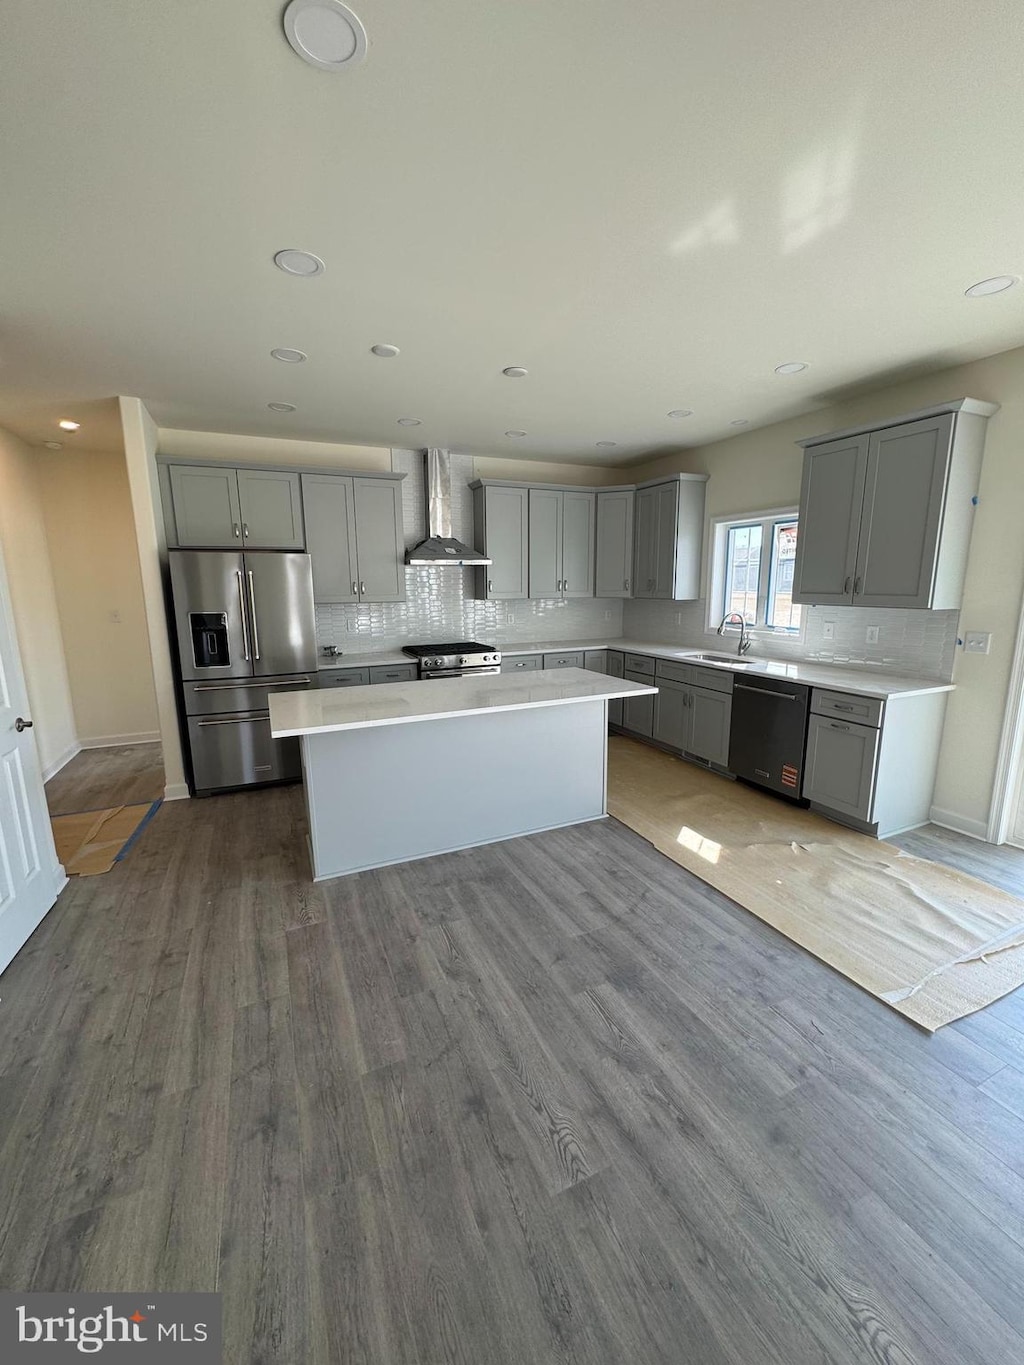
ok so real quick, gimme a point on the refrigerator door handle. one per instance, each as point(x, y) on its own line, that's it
point(241, 605)
point(255, 627)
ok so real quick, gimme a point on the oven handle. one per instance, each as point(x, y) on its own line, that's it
point(767, 692)
point(456, 673)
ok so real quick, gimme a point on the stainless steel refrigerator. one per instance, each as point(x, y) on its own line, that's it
point(245, 627)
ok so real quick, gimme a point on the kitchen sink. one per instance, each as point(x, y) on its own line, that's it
point(733, 660)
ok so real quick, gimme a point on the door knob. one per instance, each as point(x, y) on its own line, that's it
point(22, 724)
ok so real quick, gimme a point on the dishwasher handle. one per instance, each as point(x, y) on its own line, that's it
point(767, 692)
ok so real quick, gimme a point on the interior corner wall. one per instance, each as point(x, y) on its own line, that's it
point(34, 603)
point(140, 446)
point(91, 534)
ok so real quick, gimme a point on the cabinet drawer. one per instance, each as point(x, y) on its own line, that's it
point(393, 673)
point(680, 673)
point(847, 706)
point(714, 679)
point(347, 677)
point(640, 663)
point(521, 662)
point(571, 660)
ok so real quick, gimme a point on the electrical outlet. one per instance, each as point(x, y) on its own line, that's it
point(977, 642)
point(115, 618)
point(872, 635)
point(351, 626)
point(510, 618)
point(607, 616)
point(679, 618)
point(828, 630)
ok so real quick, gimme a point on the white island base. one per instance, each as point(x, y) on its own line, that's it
point(390, 778)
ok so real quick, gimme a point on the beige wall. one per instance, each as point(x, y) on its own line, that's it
point(91, 533)
point(34, 601)
point(547, 471)
point(761, 468)
point(216, 445)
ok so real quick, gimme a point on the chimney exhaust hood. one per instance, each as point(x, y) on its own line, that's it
point(440, 547)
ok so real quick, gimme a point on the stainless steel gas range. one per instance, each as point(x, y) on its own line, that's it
point(463, 659)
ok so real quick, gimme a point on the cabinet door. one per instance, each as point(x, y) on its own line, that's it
point(710, 715)
point(545, 543)
point(904, 495)
point(331, 536)
point(614, 571)
point(672, 715)
point(380, 540)
point(506, 541)
point(831, 499)
point(839, 771)
point(614, 667)
point(638, 712)
point(206, 510)
point(578, 544)
point(271, 505)
point(644, 544)
point(666, 512)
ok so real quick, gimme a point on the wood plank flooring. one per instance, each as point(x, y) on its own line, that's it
point(553, 1100)
point(98, 778)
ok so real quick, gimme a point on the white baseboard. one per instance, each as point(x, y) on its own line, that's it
point(949, 819)
point(117, 741)
point(176, 791)
point(52, 769)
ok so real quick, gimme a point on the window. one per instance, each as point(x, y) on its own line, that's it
point(752, 572)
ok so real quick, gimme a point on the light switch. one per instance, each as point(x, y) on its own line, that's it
point(977, 642)
point(828, 630)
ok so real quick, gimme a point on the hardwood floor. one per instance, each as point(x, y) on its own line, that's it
point(98, 778)
point(553, 1100)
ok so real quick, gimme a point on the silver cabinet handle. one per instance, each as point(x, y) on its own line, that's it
point(255, 626)
point(245, 529)
point(846, 584)
point(236, 720)
point(626, 585)
point(362, 589)
point(231, 686)
point(841, 706)
point(837, 725)
point(490, 585)
point(355, 588)
point(238, 530)
point(856, 586)
point(242, 608)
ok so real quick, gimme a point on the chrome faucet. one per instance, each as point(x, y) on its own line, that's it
point(730, 619)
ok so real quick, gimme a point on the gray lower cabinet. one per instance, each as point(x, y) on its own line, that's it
point(355, 538)
point(270, 501)
point(561, 543)
point(596, 660)
point(672, 714)
point(566, 659)
point(614, 555)
point(392, 673)
point(344, 677)
point(638, 712)
point(710, 717)
point(614, 666)
point(521, 663)
point(839, 769)
point(501, 519)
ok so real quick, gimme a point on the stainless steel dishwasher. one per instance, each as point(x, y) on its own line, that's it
point(769, 733)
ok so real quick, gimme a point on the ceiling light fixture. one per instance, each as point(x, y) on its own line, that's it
point(681, 412)
point(791, 367)
point(739, 421)
point(54, 445)
point(606, 445)
point(66, 424)
point(325, 33)
point(995, 285)
point(515, 434)
point(409, 422)
point(281, 407)
point(385, 351)
point(289, 356)
point(294, 262)
point(515, 372)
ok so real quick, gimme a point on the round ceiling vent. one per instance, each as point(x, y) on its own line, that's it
point(325, 33)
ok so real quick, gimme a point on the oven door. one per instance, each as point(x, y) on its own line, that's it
point(458, 673)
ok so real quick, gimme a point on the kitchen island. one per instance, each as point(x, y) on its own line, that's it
point(408, 770)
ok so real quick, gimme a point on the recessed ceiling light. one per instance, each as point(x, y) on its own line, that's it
point(681, 412)
point(66, 424)
point(281, 407)
point(294, 262)
point(515, 372)
point(325, 33)
point(995, 285)
point(515, 433)
point(606, 445)
point(289, 356)
point(385, 351)
point(409, 422)
point(739, 421)
point(791, 367)
point(54, 445)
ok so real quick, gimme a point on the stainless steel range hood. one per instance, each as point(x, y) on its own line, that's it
point(440, 546)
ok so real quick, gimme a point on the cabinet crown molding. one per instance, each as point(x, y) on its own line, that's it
point(977, 407)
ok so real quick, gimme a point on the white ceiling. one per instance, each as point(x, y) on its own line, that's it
point(649, 206)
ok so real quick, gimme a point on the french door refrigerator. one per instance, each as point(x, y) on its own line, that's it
point(245, 627)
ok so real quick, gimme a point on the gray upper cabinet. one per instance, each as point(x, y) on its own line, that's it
point(206, 509)
point(331, 536)
point(561, 543)
point(271, 506)
point(501, 518)
point(669, 538)
point(614, 564)
point(886, 513)
point(355, 538)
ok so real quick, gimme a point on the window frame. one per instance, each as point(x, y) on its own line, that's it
point(718, 571)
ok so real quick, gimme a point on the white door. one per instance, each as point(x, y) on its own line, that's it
point(30, 875)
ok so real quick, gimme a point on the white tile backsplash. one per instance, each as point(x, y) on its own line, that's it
point(439, 601)
point(920, 644)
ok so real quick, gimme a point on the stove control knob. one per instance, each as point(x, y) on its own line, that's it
point(463, 660)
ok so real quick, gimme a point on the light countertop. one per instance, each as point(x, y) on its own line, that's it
point(357, 708)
